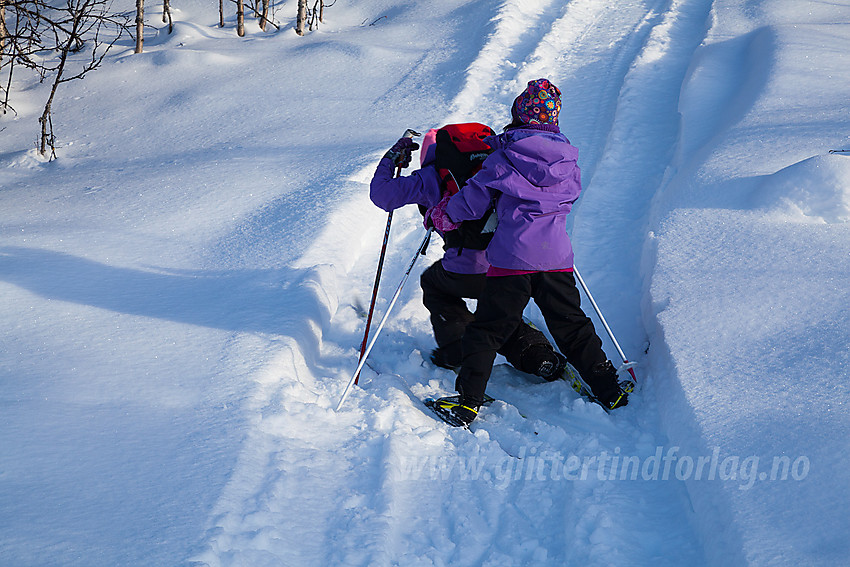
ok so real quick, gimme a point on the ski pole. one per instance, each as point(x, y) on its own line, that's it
point(605, 324)
point(407, 134)
point(419, 251)
point(377, 282)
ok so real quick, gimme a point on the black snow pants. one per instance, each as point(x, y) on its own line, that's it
point(443, 294)
point(500, 307)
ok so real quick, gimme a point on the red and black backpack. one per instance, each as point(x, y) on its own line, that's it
point(460, 151)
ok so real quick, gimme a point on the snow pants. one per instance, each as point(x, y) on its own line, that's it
point(443, 294)
point(500, 307)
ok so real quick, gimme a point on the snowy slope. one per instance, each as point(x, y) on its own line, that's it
point(182, 295)
point(749, 283)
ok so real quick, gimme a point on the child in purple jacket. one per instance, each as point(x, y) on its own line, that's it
point(459, 274)
point(534, 176)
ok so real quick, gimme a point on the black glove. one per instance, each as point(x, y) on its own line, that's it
point(399, 154)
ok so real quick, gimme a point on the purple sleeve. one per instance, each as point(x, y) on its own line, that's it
point(422, 187)
point(474, 199)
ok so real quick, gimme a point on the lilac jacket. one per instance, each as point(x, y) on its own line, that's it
point(422, 187)
point(536, 179)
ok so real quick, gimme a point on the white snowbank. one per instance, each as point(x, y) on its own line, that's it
point(749, 289)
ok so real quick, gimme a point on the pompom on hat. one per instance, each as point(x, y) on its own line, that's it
point(539, 103)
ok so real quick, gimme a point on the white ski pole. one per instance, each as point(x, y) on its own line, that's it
point(628, 365)
point(419, 251)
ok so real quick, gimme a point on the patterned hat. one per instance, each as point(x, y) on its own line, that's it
point(539, 103)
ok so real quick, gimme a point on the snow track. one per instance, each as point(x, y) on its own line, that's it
point(387, 483)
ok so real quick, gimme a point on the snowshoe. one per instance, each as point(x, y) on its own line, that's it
point(614, 398)
point(454, 411)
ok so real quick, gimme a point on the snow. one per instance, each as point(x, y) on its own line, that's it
point(182, 295)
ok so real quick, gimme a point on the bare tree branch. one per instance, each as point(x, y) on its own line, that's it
point(49, 37)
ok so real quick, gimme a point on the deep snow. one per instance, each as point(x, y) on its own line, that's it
point(182, 295)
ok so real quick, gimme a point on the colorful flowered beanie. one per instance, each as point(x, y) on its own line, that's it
point(539, 103)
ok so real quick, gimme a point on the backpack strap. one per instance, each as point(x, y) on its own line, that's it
point(474, 234)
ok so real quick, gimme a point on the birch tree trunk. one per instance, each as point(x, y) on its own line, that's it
point(263, 16)
point(3, 32)
point(44, 119)
point(302, 17)
point(166, 15)
point(240, 18)
point(140, 24)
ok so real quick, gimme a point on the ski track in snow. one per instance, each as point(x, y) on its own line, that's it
point(422, 513)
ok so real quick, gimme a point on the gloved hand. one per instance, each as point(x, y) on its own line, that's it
point(438, 218)
point(399, 154)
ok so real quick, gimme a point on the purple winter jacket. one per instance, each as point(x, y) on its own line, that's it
point(422, 187)
point(536, 179)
